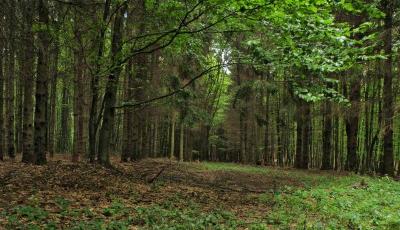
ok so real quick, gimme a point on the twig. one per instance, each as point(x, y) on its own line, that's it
point(157, 175)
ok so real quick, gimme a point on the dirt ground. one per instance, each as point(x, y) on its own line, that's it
point(148, 182)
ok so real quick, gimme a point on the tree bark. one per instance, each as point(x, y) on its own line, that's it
point(64, 140)
point(94, 116)
point(28, 76)
point(352, 122)
point(327, 137)
point(42, 78)
point(181, 141)
point(11, 80)
point(2, 41)
point(388, 110)
point(110, 96)
point(267, 155)
point(303, 135)
point(79, 141)
point(53, 97)
point(172, 149)
point(127, 129)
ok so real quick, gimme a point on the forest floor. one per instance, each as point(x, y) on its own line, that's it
point(163, 194)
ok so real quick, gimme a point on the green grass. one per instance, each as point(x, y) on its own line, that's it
point(327, 201)
point(217, 166)
point(306, 177)
point(348, 203)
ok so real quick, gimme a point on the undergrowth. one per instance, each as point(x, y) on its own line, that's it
point(324, 202)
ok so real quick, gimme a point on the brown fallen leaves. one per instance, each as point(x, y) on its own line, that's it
point(92, 187)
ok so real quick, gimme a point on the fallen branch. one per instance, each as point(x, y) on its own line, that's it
point(151, 180)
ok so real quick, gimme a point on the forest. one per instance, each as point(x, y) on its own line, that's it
point(199, 114)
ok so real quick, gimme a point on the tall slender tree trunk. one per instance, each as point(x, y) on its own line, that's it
point(11, 80)
point(140, 84)
point(181, 141)
point(110, 96)
point(79, 141)
point(156, 141)
point(327, 137)
point(27, 71)
point(94, 113)
point(352, 122)
point(172, 149)
point(127, 126)
point(267, 156)
point(388, 111)
point(307, 136)
point(53, 97)
point(19, 101)
point(2, 40)
point(42, 79)
point(64, 139)
point(303, 135)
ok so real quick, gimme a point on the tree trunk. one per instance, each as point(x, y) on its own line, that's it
point(181, 141)
point(267, 156)
point(19, 100)
point(303, 135)
point(63, 144)
point(388, 111)
point(11, 80)
point(127, 129)
point(172, 149)
point(140, 84)
point(352, 122)
point(42, 78)
point(79, 141)
point(94, 116)
point(2, 134)
point(27, 72)
point(327, 137)
point(156, 141)
point(53, 96)
point(110, 96)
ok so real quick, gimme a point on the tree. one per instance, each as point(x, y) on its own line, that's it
point(2, 43)
point(27, 70)
point(388, 111)
point(10, 85)
point(94, 85)
point(79, 98)
point(111, 90)
point(42, 79)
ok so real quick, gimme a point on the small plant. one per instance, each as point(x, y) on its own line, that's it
point(161, 217)
point(31, 213)
point(62, 203)
point(116, 208)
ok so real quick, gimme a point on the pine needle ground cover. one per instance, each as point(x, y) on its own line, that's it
point(192, 196)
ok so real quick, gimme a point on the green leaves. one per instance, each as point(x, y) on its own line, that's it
point(319, 91)
point(348, 6)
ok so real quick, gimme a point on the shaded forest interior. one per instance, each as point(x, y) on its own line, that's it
point(309, 84)
point(199, 114)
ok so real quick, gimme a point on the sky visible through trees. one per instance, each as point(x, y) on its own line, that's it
point(306, 84)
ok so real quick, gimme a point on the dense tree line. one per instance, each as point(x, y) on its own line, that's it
point(309, 84)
